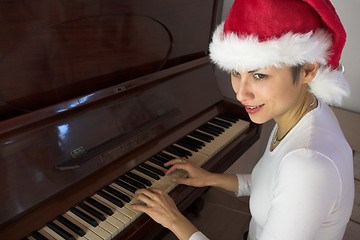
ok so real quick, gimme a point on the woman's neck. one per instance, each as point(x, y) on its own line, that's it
point(306, 103)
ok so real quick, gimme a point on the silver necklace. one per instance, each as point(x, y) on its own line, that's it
point(277, 130)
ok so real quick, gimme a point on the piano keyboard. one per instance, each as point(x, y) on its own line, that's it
point(108, 212)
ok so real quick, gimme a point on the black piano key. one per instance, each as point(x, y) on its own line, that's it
point(66, 235)
point(194, 141)
point(228, 117)
point(84, 217)
point(125, 185)
point(176, 152)
point(187, 146)
point(110, 198)
point(182, 150)
point(139, 178)
point(209, 131)
point(118, 194)
point(164, 155)
point(92, 211)
point(220, 123)
point(76, 229)
point(132, 182)
point(161, 159)
point(202, 136)
point(215, 128)
point(153, 169)
point(148, 173)
point(100, 206)
point(158, 163)
point(38, 236)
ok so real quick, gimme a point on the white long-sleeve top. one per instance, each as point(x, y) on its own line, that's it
point(304, 188)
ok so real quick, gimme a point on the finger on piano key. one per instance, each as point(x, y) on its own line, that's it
point(98, 230)
point(116, 214)
point(89, 234)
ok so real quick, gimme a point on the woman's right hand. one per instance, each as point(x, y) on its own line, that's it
point(197, 177)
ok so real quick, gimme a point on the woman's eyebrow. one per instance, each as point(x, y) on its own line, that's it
point(252, 71)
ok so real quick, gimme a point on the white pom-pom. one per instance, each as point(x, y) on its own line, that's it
point(330, 86)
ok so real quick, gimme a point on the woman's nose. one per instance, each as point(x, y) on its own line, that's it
point(243, 91)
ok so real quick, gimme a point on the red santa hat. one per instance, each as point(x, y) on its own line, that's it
point(262, 33)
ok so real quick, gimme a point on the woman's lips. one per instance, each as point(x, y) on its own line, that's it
point(253, 109)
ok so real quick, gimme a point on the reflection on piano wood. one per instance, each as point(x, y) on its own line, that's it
point(94, 96)
point(106, 213)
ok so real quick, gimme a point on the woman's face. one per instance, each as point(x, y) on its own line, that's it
point(267, 93)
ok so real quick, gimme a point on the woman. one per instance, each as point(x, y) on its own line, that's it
point(283, 57)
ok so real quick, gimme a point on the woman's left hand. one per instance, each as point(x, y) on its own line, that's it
point(161, 207)
point(158, 205)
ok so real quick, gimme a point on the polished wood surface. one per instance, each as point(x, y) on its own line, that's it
point(52, 51)
point(91, 89)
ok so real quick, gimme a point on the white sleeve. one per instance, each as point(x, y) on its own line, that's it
point(198, 236)
point(244, 188)
point(307, 189)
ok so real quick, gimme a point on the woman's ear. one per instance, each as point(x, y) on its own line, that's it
point(309, 72)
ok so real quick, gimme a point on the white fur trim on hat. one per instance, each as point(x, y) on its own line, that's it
point(231, 52)
point(330, 86)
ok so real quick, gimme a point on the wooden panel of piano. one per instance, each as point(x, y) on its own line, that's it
point(90, 91)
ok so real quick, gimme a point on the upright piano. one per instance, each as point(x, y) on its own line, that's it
point(95, 96)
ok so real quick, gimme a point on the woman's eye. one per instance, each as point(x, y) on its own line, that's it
point(236, 73)
point(259, 76)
